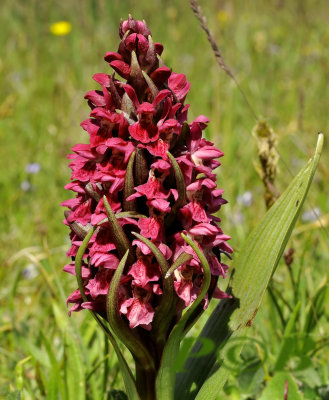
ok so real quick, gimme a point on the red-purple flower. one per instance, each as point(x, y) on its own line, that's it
point(152, 172)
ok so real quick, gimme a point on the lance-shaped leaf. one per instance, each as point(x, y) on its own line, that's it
point(127, 375)
point(114, 93)
point(129, 214)
point(251, 273)
point(129, 120)
point(136, 71)
point(141, 170)
point(79, 229)
point(165, 310)
point(136, 75)
point(153, 89)
point(129, 185)
point(128, 337)
point(182, 137)
point(127, 106)
point(120, 239)
point(123, 214)
point(180, 184)
point(78, 261)
point(151, 55)
point(166, 376)
point(181, 259)
point(92, 193)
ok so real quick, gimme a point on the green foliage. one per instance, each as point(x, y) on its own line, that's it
point(232, 318)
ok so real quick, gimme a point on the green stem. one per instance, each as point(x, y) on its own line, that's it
point(276, 304)
point(292, 279)
point(145, 382)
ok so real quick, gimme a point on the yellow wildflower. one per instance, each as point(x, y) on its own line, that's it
point(60, 28)
point(222, 16)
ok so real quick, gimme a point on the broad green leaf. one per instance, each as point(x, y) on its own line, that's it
point(250, 276)
point(281, 382)
point(181, 356)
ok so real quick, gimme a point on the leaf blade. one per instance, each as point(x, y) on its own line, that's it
point(231, 318)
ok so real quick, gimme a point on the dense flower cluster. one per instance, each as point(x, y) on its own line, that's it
point(138, 136)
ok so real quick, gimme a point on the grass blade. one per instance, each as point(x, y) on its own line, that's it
point(74, 366)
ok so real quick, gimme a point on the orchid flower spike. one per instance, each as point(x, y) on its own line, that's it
point(143, 183)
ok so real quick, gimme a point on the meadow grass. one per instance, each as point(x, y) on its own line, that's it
point(278, 52)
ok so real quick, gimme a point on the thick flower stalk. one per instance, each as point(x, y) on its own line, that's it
point(145, 188)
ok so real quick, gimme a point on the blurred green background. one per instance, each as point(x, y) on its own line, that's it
point(279, 53)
